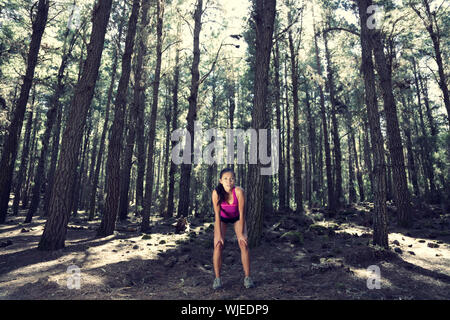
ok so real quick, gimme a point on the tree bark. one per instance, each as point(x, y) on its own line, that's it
point(56, 226)
point(330, 185)
point(402, 197)
point(10, 146)
point(23, 163)
point(140, 76)
point(338, 192)
point(108, 223)
point(380, 234)
point(184, 196)
point(51, 117)
point(145, 225)
point(296, 141)
point(277, 90)
point(435, 35)
point(264, 16)
point(173, 167)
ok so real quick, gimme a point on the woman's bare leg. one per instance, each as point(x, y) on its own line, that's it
point(245, 253)
point(217, 256)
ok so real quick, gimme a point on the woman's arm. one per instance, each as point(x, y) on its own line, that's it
point(217, 230)
point(240, 194)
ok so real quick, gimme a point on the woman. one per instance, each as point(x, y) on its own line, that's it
point(229, 203)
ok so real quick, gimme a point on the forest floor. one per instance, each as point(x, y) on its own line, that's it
point(312, 257)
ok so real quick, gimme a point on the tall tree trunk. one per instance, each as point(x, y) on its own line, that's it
point(168, 117)
point(51, 117)
point(288, 139)
point(33, 147)
point(184, 196)
point(145, 225)
point(264, 16)
point(330, 185)
point(101, 148)
point(401, 193)
point(173, 167)
point(312, 143)
point(380, 233)
point(56, 226)
point(351, 162)
point(53, 161)
point(23, 162)
point(115, 142)
point(410, 154)
point(296, 147)
point(140, 76)
point(339, 194)
point(281, 176)
point(432, 27)
point(9, 151)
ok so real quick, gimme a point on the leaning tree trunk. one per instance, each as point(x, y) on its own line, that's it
point(59, 210)
point(115, 142)
point(184, 196)
point(145, 225)
point(9, 151)
point(51, 117)
point(380, 233)
point(101, 148)
point(264, 17)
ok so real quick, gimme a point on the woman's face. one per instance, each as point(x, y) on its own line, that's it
point(227, 181)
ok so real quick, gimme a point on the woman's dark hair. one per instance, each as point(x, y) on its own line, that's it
point(220, 189)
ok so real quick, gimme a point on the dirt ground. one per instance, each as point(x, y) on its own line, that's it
point(309, 257)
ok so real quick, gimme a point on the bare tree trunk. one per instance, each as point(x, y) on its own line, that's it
point(56, 226)
point(115, 142)
point(351, 161)
point(339, 194)
point(184, 196)
point(51, 117)
point(152, 132)
point(173, 167)
point(23, 162)
point(410, 154)
point(264, 16)
point(330, 185)
point(296, 147)
point(430, 22)
point(281, 175)
point(101, 148)
point(10, 146)
point(140, 76)
point(380, 233)
point(288, 140)
point(401, 193)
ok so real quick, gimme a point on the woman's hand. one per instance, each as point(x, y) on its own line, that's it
point(218, 241)
point(242, 240)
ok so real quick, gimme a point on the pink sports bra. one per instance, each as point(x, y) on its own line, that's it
point(230, 210)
